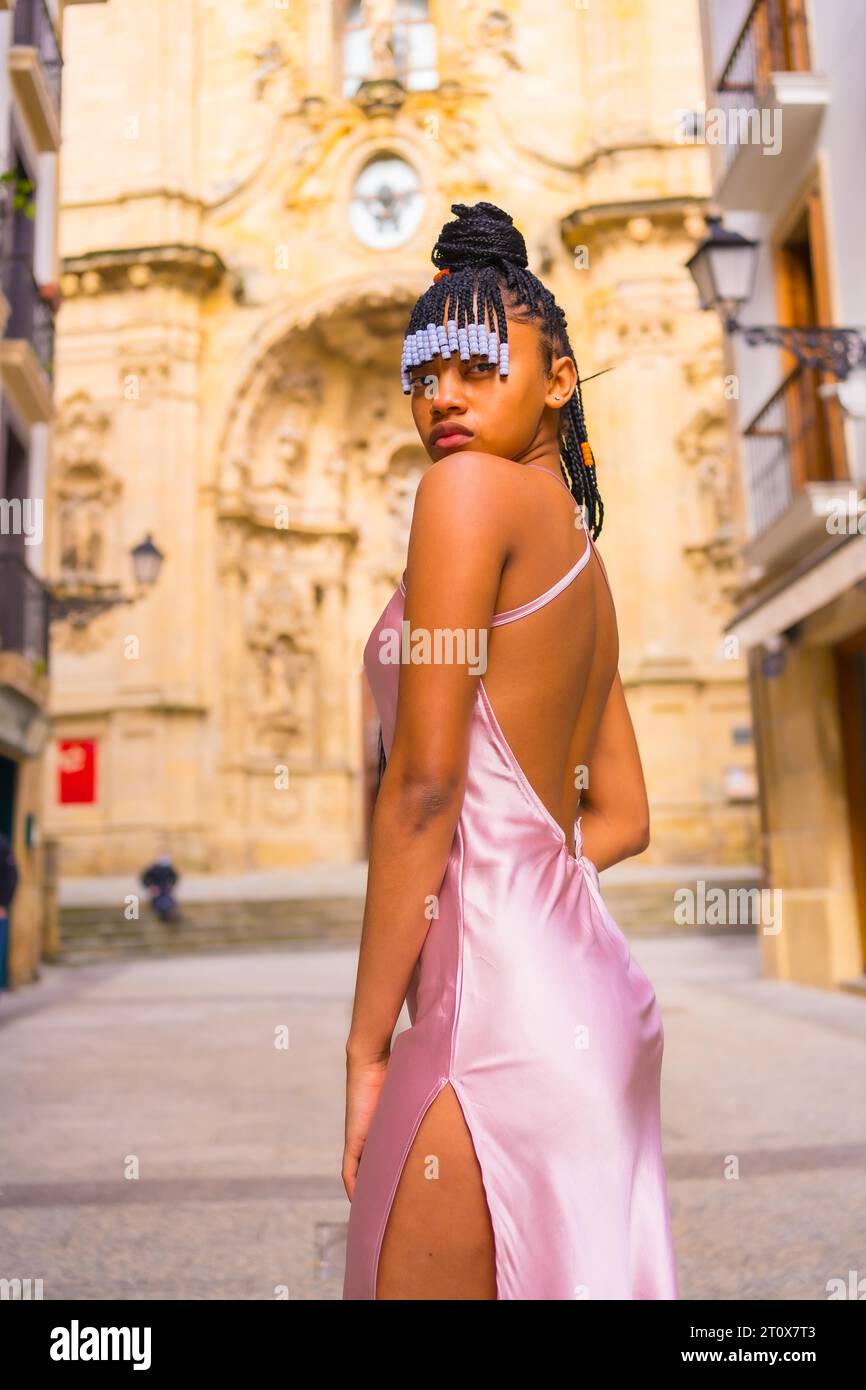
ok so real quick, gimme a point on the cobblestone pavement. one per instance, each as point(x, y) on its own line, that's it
point(160, 1141)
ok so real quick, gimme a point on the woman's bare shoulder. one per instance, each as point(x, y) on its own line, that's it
point(459, 501)
point(470, 475)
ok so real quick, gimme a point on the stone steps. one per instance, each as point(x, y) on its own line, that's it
point(101, 932)
point(649, 909)
point(97, 933)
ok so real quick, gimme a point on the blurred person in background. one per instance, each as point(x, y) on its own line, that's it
point(160, 879)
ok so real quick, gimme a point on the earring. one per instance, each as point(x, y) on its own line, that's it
point(556, 398)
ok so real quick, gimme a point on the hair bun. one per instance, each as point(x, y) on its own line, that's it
point(483, 234)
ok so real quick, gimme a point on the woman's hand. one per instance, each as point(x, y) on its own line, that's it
point(363, 1083)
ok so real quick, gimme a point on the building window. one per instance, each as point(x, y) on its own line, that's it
point(382, 40)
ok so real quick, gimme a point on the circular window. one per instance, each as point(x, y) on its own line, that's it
point(387, 202)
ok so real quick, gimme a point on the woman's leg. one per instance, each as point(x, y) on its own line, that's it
point(438, 1242)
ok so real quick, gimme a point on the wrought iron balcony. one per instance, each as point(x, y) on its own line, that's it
point(794, 440)
point(34, 29)
point(772, 39)
point(24, 609)
point(772, 104)
point(31, 315)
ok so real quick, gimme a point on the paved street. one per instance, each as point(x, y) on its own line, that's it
point(158, 1144)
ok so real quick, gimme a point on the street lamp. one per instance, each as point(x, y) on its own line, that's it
point(723, 269)
point(146, 563)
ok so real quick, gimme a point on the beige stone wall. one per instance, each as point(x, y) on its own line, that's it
point(228, 378)
point(673, 515)
point(808, 836)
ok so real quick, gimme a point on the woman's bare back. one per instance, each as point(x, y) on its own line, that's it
point(549, 674)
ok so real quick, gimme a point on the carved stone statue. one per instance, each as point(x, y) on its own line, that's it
point(85, 492)
point(402, 484)
point(283, 672)
point(378, 17)
point(714, 483)
point(291, 458)
point(277, 609)
point(81, 538)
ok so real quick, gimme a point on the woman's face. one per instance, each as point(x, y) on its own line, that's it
point(512, 416)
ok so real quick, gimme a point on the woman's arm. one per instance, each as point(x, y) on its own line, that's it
point(457, 547)
point(613, 809)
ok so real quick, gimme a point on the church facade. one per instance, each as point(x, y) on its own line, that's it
point(249, 199)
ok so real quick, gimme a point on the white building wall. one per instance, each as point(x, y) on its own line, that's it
point(45, 264)
point(837, 38)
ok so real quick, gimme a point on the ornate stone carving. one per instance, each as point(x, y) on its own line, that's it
point(281, 641)
point(85, 492)
point(709, 523)
point(405, 470)
point(81, 430)
point(704, 446)
point(269, 59)
point(83, 639)
point(400, 501)
point(378, 17)
point(285, 686)
point(82, 523)
point(496, 34)
point(278, 606)
point(266, 463)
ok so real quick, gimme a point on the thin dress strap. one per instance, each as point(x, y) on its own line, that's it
point(558, 476)
point(560, 479)
point(512, 614)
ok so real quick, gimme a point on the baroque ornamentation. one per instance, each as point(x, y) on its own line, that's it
point(85, 492)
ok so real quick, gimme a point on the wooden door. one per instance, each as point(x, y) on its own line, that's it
point(851, 672)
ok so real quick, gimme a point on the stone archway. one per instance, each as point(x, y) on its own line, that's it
point(316, 473)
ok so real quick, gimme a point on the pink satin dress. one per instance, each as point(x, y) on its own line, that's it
point(527, 999)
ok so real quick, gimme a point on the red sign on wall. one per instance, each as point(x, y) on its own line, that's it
point(76, 770)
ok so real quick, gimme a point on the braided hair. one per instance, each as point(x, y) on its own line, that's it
point(481, 254)
point(480, 257)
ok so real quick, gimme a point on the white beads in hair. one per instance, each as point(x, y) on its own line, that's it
point(475, 340)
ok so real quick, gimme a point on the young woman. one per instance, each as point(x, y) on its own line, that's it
point(508, 1145)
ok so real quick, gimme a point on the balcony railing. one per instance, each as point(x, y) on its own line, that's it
point(773, 39)
point(24, 610)
point(34, 29)
point(793, 440)
point(31, 316)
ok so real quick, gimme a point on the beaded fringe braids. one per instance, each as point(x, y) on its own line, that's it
point(480, 257)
